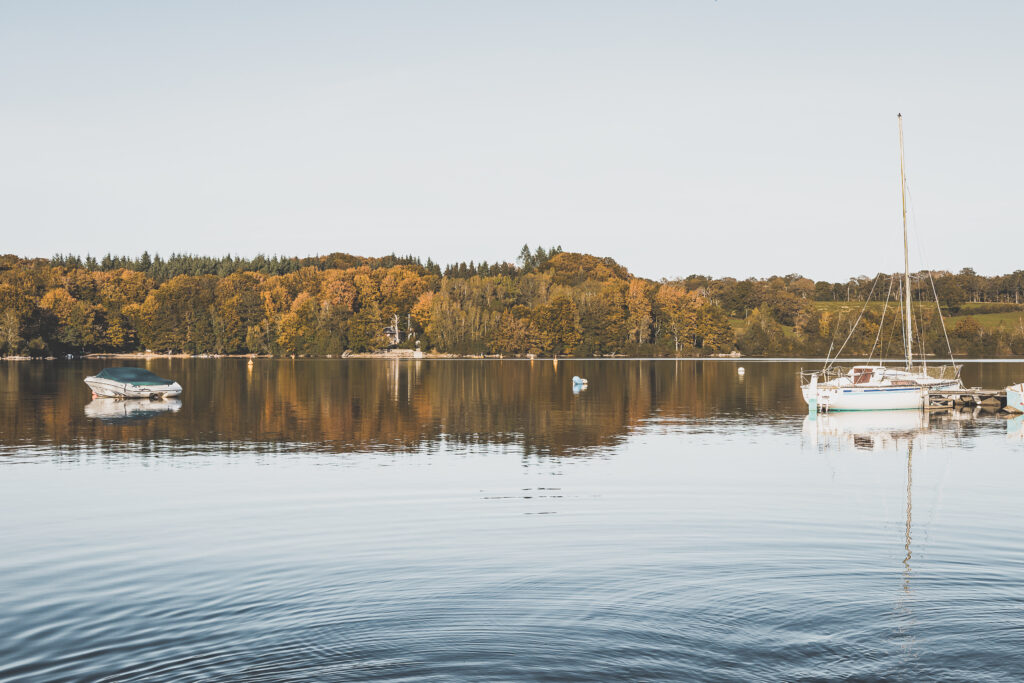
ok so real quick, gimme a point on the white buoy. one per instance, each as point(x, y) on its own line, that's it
point(740, 370)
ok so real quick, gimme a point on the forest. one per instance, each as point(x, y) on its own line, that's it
point(546, 302)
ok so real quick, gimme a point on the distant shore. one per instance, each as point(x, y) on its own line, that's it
point(409, 355)
point(385, 355)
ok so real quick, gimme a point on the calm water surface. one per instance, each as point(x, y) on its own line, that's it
point(478, 520)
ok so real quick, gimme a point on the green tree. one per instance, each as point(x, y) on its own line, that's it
point(761, 336)
point(177, 316)
point(366, 330)
point(237, 307)
point(558, 326)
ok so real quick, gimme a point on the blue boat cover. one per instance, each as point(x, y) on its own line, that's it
point(136, 376)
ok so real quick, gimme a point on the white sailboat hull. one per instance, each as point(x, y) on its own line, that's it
point(827, 398)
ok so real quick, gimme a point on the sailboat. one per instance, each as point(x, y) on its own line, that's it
point(877, 387)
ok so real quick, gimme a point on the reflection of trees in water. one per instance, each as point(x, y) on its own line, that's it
point(350, 405)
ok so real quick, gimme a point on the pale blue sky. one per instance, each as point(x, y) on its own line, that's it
point(732, 138)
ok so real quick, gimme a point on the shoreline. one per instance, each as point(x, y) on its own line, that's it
point(138, 356)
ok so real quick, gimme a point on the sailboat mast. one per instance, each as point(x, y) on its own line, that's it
point(907, 330)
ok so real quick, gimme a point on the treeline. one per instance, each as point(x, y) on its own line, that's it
point(874, 332)
point(547, 302)
point(739, 297)
point(795, 316)
point(550, 302)
point(160, 270)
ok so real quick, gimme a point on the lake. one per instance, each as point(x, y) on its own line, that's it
point(481, 520)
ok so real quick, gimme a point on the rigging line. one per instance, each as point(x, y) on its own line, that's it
point(828, 354)
point(832, 344)
point(903, 328)
point(918, 327)
point(895, 323)
point(881, 322)
point(857, 322)
point(942, 321)
point(931, 278)
point(920, 321)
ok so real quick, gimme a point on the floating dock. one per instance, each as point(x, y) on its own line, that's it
point(994, 398)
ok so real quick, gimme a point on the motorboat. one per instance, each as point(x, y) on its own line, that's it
point(129, 382)
point(878, 387)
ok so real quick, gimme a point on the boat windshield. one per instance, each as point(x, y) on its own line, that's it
point(132, 376)
point(862, 375)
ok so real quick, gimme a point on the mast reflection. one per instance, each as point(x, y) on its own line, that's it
point(894, 431)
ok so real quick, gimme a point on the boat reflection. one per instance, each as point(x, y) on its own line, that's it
point(868, 430)
point(114, 410)
point(899, 432)
point(892, 430)
point(1015, 428)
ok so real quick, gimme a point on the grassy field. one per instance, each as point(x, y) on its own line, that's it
point(989, 321)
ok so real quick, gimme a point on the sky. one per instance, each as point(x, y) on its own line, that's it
point(726, 138)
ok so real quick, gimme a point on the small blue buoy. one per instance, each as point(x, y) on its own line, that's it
point(578, 380)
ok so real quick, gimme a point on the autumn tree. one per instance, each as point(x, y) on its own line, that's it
point(237, 307)
point(177, 316)
point(638, 305)
point(713, 334)
point(298, 329)
point(10, 332)
point(512, 333)
point(79, 325)
point(572, 269)
point(15, 309)
point(558, 326)
point(678, 310)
